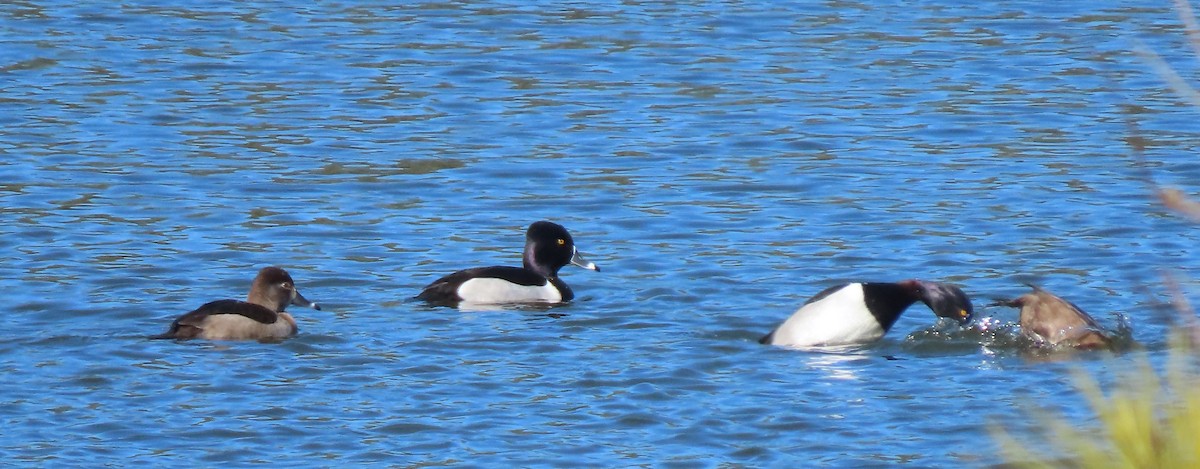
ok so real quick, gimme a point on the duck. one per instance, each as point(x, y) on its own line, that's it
point(1050, 320)
point(856, 313)
point(548, 248)
point(260, 317)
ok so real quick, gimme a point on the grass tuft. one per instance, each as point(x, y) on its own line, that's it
point(1151, 420)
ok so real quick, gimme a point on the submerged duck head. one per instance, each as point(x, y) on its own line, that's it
point(1049, 319)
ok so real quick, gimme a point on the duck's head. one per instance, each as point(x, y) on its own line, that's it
point(274, 288)
point(945, 300)
point(549, 247)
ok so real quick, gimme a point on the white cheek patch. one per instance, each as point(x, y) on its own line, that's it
point(495, 290)
point(838, 319)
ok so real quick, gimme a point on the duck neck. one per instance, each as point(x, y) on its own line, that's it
point(887, 301)
point(265, 300)
point(530, 264)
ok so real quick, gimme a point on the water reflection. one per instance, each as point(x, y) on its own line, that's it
point(839, 362)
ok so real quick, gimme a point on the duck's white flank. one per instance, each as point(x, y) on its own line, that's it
point(490, 290)
point(838, 319)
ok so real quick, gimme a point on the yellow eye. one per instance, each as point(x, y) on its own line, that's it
point(561, 241)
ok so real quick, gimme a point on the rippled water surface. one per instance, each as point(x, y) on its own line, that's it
point(721, 162)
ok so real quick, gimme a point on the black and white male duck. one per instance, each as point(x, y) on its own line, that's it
point(260, 317)
point(1048, 319)
point(856, 313)
point(548, 248)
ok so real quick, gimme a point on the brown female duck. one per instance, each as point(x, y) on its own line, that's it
point(1055, 321)
point(260, 317)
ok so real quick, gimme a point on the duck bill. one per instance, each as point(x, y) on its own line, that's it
point(300, 300)
point(578, 260)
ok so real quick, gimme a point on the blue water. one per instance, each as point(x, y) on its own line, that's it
point(721, 162)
